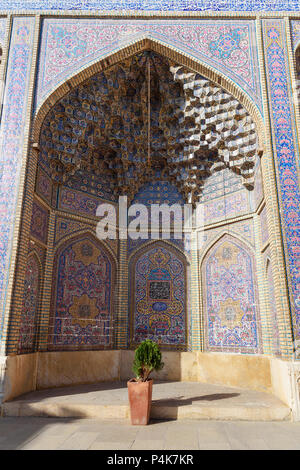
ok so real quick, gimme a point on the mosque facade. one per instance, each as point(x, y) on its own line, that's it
point(175, 102)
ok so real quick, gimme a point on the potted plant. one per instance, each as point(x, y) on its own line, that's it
point(146, 359)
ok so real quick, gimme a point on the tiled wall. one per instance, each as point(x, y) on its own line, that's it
point(233, 213)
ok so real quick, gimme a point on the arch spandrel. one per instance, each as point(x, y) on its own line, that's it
point(74, 45)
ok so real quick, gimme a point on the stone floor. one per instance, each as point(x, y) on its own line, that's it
point(171, 400)
point(65, 433)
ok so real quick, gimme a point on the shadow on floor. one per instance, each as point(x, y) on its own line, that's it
point(71, 390)
point(181, 401)
point(16, 432)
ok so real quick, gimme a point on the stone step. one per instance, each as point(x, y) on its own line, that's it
point(176, 400)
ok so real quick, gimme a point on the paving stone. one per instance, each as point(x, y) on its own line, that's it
point(148, 444)
point(79, 441)
point(110, 445)
point(44, 443)
point(216, 446)
point(169, 435)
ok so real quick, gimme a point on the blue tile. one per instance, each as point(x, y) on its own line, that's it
point(163, 5)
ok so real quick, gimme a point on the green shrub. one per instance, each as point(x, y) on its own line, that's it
point(146, 359)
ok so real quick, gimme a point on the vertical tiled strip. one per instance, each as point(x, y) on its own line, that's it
point(195, 340)
point(265, 317)
point(47, 287)
point(294, 81)
point(14, 146)
point(124, 301)
point(6, 24)
point(273, 218)
point(285, 149)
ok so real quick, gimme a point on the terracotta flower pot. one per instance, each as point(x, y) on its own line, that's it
point(140, 397)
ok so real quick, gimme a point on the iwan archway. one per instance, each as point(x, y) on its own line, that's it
point(159, 127)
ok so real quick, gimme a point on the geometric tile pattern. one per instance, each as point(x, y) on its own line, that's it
point(65, 226)
point(39, 222)
point(258, 191)
point(84, 272)
point(225, 207)
point(158, 192)
point(220, 183)
point(43, 185)
point(77, 202)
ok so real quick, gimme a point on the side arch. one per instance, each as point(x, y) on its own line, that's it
point(147, 244)
point(79, 233)
point(230, 297)
point(219, 236)
point(158, 296)
point(83, 295)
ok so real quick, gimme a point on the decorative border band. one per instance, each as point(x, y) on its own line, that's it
point(285, 148)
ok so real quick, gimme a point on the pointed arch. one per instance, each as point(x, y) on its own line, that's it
point(158, 296)
point(132, 48)
point(230, 297)
point(147, 244)
point(82, 232)
point(218, 237)
point(83, 294)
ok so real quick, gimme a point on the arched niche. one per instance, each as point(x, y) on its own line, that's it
point(158, 296)
point(80, 79)
point(230, 298)
point(83, 295)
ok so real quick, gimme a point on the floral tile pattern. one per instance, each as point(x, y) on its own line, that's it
point(68, 45)
point(283, 121)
